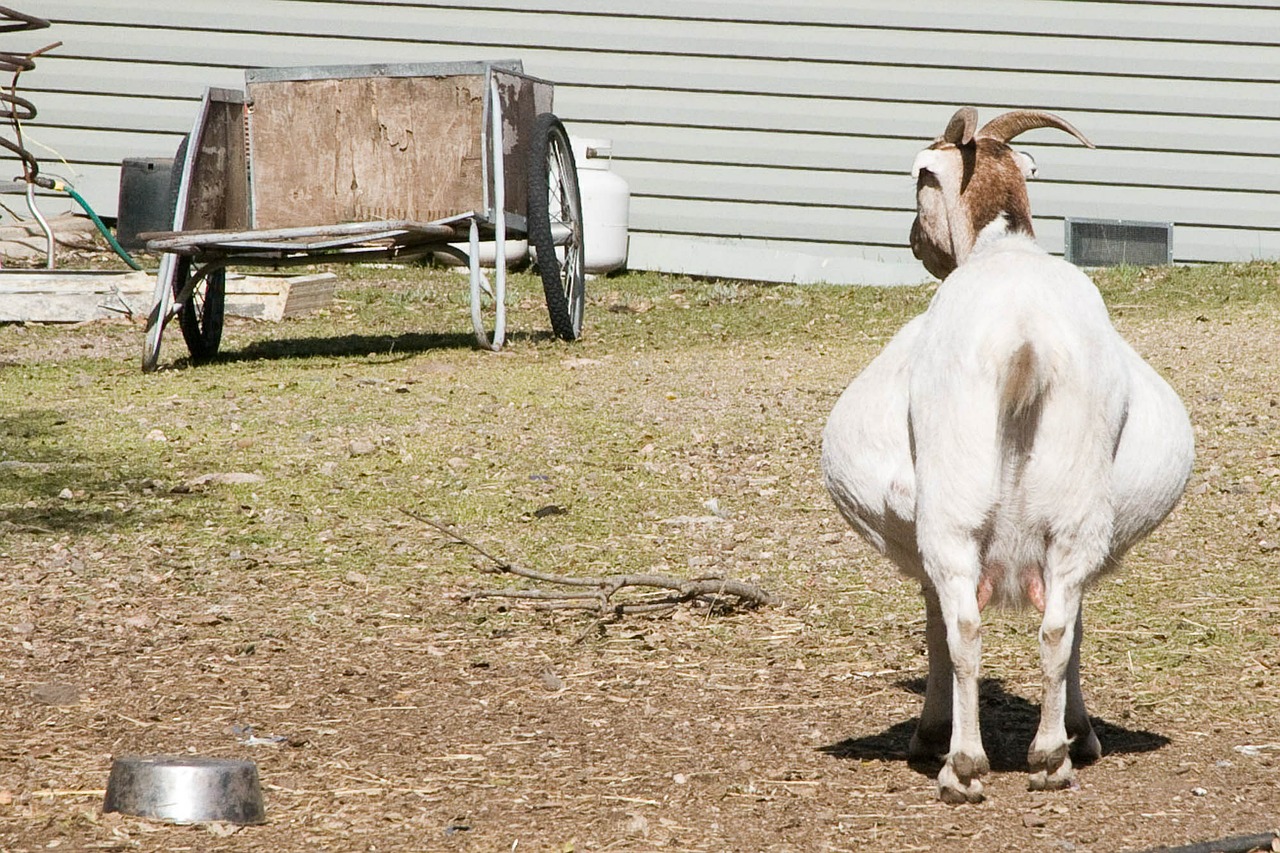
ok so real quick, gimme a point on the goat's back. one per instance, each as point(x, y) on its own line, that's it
point(1017, 400)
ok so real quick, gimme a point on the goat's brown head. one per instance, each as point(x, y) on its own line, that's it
point(967, 180)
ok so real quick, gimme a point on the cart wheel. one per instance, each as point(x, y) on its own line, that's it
point(159, 317)
point(555, 225)
point(201, 315)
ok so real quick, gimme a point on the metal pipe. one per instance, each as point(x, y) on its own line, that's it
point(44, 225)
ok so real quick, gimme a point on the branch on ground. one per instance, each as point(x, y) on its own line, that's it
point(598, 593)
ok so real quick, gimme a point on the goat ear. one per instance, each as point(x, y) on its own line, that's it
point(1026, 164)
point(929, 160)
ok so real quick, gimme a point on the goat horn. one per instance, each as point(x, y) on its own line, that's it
point(960, 129)
point(1011, 124)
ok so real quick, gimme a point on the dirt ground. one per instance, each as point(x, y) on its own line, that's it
point(401, 718)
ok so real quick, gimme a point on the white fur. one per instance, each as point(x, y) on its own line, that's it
point(978, 479)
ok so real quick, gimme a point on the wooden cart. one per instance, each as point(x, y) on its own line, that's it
point(365, 163)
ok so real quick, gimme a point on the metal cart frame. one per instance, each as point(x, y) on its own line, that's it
point(262, 178)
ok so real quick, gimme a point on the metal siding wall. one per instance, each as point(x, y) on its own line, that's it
point(760, 139)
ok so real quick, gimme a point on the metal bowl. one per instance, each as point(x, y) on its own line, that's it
point(185, 789)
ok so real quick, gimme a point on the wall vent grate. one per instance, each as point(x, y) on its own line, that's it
point(1118, 242)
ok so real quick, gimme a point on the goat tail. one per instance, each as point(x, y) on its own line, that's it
point(1022, 389)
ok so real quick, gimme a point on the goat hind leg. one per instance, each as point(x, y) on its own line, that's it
point(1049, 757)
point(932, 738)
point(1085, 747)
point(966, 761)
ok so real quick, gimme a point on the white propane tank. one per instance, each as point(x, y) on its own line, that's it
point(606, 201)
point(516, 250)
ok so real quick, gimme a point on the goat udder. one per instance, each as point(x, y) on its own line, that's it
point(1030, 580)
point(1033, 585)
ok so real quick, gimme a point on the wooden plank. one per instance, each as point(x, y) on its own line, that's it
point(218, 186)
point(61, 296)
point(77, 296)
point(375, 148)
point(278, 297)
point(298, 237)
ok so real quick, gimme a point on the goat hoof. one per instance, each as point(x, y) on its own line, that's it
point(931, 744)
point(957, 794)
point(1086, 748)
point(958, 781)
point(1051, 770)
point(1057, 781)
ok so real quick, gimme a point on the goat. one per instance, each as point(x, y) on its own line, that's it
point(1007, 444)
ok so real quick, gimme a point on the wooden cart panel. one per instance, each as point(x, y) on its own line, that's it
point(217, 194)
point(355, 144)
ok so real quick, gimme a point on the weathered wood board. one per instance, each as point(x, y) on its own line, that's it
point(361, 149)
point(218, 191)
point(75, 296)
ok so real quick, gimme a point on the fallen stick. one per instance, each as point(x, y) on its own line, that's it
point(596, 593)
point(1239, 844)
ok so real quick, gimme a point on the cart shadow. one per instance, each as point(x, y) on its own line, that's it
point(362, 346)
point(1008, 723)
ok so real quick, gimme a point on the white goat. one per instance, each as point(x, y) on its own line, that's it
point(1007, 444)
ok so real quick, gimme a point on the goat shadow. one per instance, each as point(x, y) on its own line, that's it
point(1008, 723)
point(386, 346)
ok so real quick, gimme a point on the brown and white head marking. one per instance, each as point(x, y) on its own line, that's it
point(969, 182)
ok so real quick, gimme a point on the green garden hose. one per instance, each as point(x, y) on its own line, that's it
point(62, 186)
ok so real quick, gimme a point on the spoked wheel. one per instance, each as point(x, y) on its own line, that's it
point(555, 225)
point(200, 316)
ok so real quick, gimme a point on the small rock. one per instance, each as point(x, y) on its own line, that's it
point(552, 682)
point(230, 478)
point(56, 693)
point(680, 779)
point(361, 447)
point(1033, 821)
point(636, 824)
point(66, 494)
point(156, 435)
point(357, 578)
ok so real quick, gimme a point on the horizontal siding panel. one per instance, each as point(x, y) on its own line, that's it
point(909, 120)
point(1175, 20)
point(770, 221)
point(794, 78)
point(1067, 164)
point(690, 37)
point(828, 190)
point(846, 117)
point(100, 148)
point(71, 110)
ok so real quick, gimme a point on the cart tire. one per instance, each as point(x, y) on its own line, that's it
point(200, 317)
point(554, 224)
